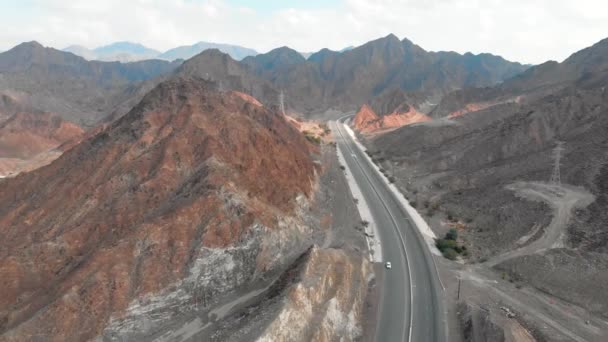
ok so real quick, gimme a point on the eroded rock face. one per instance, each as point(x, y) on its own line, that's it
point(193, 186)
point(327, 304)
point(367, 121)
point(477, 324)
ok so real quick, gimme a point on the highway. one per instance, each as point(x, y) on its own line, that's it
point(411, 303)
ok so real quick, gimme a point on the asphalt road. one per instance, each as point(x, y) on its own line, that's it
point(411, 305)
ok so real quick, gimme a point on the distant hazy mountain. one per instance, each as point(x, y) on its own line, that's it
point(186, 52)
point(119, 52)
point(307, 55)
point(81, 51)
point(125, 52)
point(131, 52)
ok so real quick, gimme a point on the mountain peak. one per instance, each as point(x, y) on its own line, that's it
point(213, 53)
point(287, 55)
point(278, 58)
point(32, 45)
point(186, 52)
point(392, 36)
point(322, 54)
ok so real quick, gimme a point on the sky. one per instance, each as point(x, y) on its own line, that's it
point(527, 31)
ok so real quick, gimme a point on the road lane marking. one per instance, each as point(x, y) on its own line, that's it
point(395, 227)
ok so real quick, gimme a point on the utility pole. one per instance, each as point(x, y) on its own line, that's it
point(458, 297)
point(556, 177)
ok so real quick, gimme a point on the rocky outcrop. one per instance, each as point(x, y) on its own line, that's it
point(367, 121)
point(469, 108)
point(327, 303)
point(477, 325)
point(191, 195)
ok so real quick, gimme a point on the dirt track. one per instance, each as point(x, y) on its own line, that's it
point(562, 199)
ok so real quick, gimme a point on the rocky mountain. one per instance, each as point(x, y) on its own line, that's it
point(80, 91)
point(186, 52)
point(29, 140)
point(354, 77)
point(275, 61)
point(193, 194)
point(488, 169)
point(230, 74)
point(587, 66)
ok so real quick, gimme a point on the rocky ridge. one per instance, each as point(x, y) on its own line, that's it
point(191, 195)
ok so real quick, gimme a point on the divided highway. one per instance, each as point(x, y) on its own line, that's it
point(411, 303)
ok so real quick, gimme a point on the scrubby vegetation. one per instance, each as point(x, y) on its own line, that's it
point(312, 138)
point(449, 246)
point(325, 128)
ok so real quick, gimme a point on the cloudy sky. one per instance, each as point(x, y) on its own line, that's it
point(529, 31)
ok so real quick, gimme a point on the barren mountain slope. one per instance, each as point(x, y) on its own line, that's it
point(350, 79)
point(60, 82)
point(467, 170)
point(587, 66)
point(231, 75)
point(191, 195)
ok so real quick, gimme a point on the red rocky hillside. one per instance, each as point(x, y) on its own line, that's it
point(367, 121)
point(123, 213)
point(26, 134)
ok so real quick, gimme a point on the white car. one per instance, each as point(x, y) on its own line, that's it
point(388, 265)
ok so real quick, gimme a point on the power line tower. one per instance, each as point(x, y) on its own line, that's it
point(556, 177)
point(282, 102)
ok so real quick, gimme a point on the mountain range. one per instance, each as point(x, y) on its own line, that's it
point(157, 200)
point(78, 90)
point(346, 80)
point(131, 52)
point(35, 79)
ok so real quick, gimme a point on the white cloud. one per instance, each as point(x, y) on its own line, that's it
point(530, 31)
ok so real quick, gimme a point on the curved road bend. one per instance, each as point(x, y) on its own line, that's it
point(411, 303)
